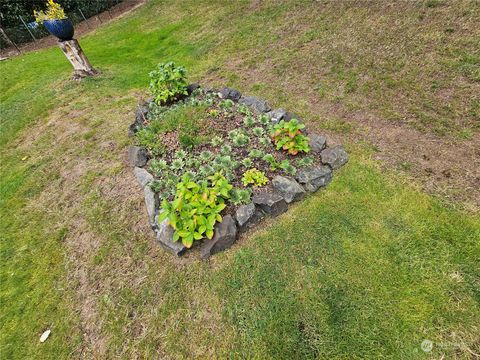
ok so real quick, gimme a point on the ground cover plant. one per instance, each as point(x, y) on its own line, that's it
point(368, 269)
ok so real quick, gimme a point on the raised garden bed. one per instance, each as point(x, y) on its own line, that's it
point(221, 145)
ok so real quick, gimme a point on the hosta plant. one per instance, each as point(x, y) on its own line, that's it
point(288, 136)
point(196, 208)
point(168, 82)
point(254, 177)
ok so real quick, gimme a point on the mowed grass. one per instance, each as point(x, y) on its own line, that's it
point(367, 268)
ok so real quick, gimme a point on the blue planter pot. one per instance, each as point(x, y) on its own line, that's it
point(62, 29)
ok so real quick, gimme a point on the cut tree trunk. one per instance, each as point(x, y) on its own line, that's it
point(76, 56)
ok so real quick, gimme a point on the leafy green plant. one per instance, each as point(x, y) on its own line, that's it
point(206, 170)
point(177, 164)
point(258, 131)
point(226, 104)
point(254, 177)
point(196, 208)
point(240, 139)
point(271, 160)
point(158, 166)
point(157, 185)
point(225, 149)
point(240, 196)
point(287, 167)
point(265, 141)
point(287, 136)
point(244, 109)
point(168, 82)
point(255, 154)
point(249, 121)
point(149, 140)
point(180, 154)
point(206, 155)
point(247, 162)
point(54, 12)
point(216, 141)
point(305, 162)
point(193, 162)
point(264, 119)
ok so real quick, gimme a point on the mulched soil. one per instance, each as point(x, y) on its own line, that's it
point(221, 125)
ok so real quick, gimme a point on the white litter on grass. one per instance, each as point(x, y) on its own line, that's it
point(45, 336)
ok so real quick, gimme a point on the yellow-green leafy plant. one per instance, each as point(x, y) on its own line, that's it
point(196, 207)
point(54, 12)
point(254, 177)
point(287, 136)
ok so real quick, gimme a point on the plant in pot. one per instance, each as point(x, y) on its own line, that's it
point(55, 21)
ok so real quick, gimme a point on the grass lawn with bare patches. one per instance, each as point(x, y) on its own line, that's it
point(368, 268)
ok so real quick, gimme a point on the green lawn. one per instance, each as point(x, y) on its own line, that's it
point(367, 268)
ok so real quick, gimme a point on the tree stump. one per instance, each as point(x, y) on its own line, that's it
point(76, 56)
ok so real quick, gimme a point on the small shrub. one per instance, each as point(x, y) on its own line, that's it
point(168, 82)
point(271, 160)
point(254, 177)
point(264, 119)
point(287, 136)
point(196, 208)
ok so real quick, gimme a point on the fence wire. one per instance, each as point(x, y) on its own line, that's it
point(27, 30)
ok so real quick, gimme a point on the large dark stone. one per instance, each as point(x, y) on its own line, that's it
point(229, 93)
point(288, 188)
point(317, 142)
point(271, 203)
point(137, 156)
point(164, 234)
point(192, 87)
point(225, 235)
point(151, 203)
point(289, 116)
point(314, 178)
point(247, 216)
point(276, 115)
point(141, 114)
point(334, 157)
point(133, 129)
point(143, 176)
point(257, 105)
